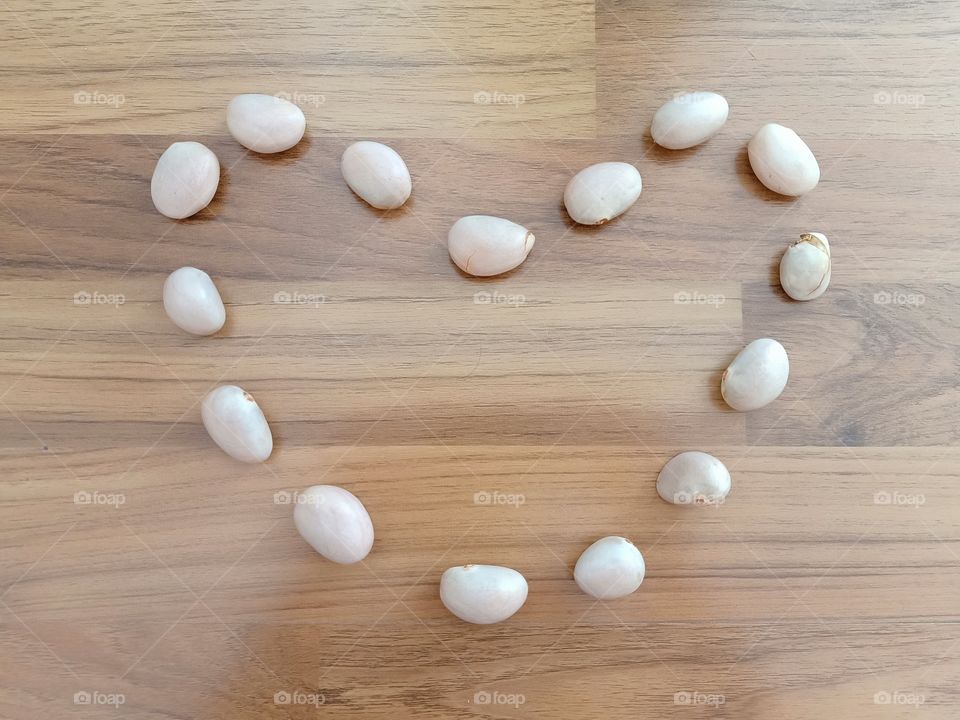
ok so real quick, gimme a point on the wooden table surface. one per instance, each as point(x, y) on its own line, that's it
point(825, 587)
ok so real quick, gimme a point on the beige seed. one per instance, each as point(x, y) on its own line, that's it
point(185, 179)
point(235, 422)
point(484, 245)
point(693, 478)
point(265, 123)
point(757, 376)
point(689, 119)
point(601, 192)
point(806, 266)
point(334, 522)
point(376, 173)
point(192, 301)
point(482, 594)
point(782, 161)
point(611, 568)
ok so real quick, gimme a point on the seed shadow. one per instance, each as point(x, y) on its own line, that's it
point(287, 156)
point(661, 154)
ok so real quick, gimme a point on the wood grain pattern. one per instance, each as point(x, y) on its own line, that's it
point(510, 421)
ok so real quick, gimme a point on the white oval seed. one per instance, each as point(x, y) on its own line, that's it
point(192, 302)
point(482, 594)
point(235, 422)
point(611, 568)
point(782, 161)
point(376, 173)
point(601, 192)
point(185, 179)
point(265, 123)
point(484, 245)
point(757, 376)
point(693, 478)
point(689, 119)
point(805, 267)
point(334, 522)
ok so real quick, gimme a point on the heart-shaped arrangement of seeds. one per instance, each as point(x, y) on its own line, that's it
point(334, 521)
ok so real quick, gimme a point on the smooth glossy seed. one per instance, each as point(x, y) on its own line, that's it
point(484, 245)
point(235, 422)
point(689, 119)
point(192, 301)
point(757, 376)
point(265, 123)
point(782, 161)
point(376, 173)
point(601, 192)
point(334, 522)
point(482, 594)
point(185, 179)
point(694, 478)
point(611, 568)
